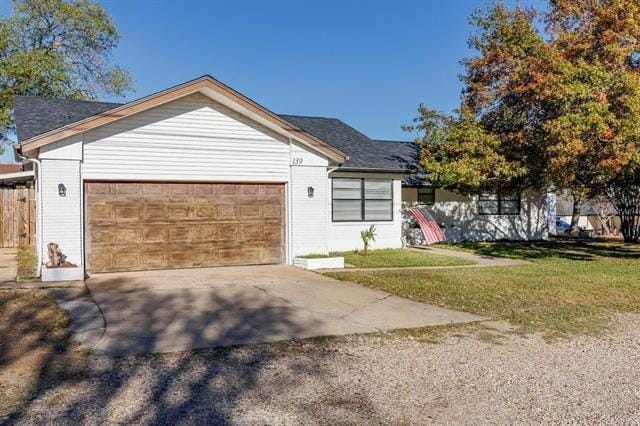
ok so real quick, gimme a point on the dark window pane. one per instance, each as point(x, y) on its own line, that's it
point(347, 210)
point(509, 207)
point(426, 195)
point(347, 189)
point(377, 189)
point(488, 207)
point(378, 209)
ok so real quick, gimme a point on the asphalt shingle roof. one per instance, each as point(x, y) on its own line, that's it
point(36, 115)
point(363, 152)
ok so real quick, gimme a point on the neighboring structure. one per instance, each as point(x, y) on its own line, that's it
point(597, 216)
point(17, 206)
point(14, 175)
point(200, 175)
point(484, 217)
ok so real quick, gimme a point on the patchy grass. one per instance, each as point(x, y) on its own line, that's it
point(568, 287)
point(399, 258)
point(26, 263)
point(35, 348)
point(314, 256)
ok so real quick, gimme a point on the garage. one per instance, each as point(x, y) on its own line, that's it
point(132, 226)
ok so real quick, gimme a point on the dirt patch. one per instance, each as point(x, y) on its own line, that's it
point(472, 375)
point(35, 347)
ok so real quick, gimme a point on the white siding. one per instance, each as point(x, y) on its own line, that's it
point(308, 215)
point(301, 156)
point(458, 215)
point(62, 216)
point(192, 138)
point(344, 236)
point(66, 149)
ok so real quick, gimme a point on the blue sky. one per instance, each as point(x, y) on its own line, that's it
point(369, 63)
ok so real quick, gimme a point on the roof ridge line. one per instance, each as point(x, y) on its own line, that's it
point(310, 116)
point(93, 101)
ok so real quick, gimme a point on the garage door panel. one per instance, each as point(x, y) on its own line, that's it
point(128, 213)
point(138, 226)
point(126, 235)
point(226, 211)
point(154, 234)
point(154, 260)
point(152, 188)
point(155, 211)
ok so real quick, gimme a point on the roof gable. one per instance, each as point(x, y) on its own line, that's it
point(42, 120)
point(206, 85)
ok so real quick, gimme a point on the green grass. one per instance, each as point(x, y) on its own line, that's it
point(314, 256)
point(568, 287)
point(398, 258)
point(26, 263)
point(393, 258)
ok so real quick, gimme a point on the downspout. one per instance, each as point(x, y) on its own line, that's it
point(38, 170)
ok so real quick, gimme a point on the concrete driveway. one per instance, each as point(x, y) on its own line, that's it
point(177, 310)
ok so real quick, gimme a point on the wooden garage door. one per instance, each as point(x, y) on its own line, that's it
point(140, 226)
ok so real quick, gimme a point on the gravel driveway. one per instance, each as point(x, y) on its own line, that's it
point(466, 378)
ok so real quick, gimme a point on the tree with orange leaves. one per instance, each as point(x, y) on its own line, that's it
point(552, 108)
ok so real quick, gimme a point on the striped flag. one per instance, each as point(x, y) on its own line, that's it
point(430, 228)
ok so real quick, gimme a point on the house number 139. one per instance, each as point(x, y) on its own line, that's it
point(296, 161)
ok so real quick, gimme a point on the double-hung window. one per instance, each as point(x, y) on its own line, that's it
point(359, 200)
point(499, 204)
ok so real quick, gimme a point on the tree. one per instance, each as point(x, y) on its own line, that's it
point(624, 193)
point(368, 236)
point(57, 48)
point(605, 213)
point(491, 141)
point(552, 108)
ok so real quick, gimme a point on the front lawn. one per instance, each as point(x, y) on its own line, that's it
point(398, 258)
point(35, 348)
point(569, 287)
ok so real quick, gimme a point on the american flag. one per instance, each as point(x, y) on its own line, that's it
point(430, 228)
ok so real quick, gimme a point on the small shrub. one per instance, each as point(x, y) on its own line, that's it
point(27, 262)
point(368, 236)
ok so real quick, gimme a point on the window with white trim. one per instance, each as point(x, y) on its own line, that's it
point(499, 204)
point(360, 200)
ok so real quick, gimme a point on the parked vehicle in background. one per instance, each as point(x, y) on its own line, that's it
point(562, 227)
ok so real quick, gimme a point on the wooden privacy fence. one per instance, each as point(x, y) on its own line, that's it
point(18, 213)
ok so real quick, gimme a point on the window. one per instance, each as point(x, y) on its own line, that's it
point(502, 204)
point(427, 196)
point(362, 199)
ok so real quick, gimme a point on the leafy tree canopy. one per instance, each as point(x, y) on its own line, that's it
point(57, 48)
point(557, 106)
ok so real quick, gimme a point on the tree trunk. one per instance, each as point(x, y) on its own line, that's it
point(575, 217)
point(604, 225)
point(625, 196)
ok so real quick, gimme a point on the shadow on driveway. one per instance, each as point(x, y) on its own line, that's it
point(178, 310)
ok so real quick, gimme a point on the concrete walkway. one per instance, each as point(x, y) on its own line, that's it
point(8, 265)
point(178, 310)
point(87, 322)
point(480, 261)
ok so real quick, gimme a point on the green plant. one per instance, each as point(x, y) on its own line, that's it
point(368, 236)
point(27, 262)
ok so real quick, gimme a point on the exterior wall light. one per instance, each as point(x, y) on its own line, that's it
point(62, 190)
point(310, 191)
